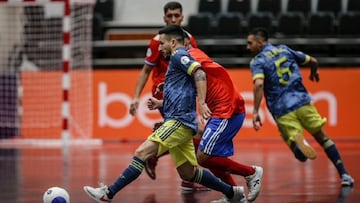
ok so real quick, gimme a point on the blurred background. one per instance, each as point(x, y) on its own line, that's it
point(68, 73)
point(324, 28)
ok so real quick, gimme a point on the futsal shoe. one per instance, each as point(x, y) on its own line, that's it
point(299, 155)
point(304, 147)
point(100, 194)
point(187, 186)
point(347, 180)
point(150, 165)
point(239, 196)
point(254, 183)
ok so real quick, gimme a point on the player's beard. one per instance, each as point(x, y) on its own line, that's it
point(167, 57)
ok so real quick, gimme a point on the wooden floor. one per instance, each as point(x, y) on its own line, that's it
point(27, 172)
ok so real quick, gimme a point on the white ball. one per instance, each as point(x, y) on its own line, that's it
point(56, 195)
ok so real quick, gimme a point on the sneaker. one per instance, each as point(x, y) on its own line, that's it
point(304, 147)
point(254, 183)
point(299, 155)
point(150, 165)
point(187, 186)
point(347, 180)
point(98, 194)
point(239, 196)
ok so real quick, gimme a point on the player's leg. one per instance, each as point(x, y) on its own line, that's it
point(106, 193)
point(291, 130)
point(313, 123)
point(149, 148)
point(151, 163)
point(217, 145)
point(224, 176)
point(187, 186)
point(184, 158)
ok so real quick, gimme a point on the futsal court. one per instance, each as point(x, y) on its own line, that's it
point(28, 170)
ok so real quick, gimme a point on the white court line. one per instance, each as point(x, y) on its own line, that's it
point(47, 143)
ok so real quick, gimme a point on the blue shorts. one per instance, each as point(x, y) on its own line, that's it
point(217, 139)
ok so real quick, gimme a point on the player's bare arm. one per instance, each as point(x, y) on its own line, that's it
point(258, 94)
point(314, 74)
point(140, 84)
point(201, 87)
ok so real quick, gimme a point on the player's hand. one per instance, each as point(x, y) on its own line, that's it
point(157, 125)
point(205, 111)
point(154, 103)
point(134, 105)
point(314, 76)
point(256, 121)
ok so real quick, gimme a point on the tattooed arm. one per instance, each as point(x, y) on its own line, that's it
point(201, 88)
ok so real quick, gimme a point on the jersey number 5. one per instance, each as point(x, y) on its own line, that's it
point(283, 73)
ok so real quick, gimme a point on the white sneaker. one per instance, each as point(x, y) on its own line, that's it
point(239, 196)
point(254, 183)
point(347, 180)
point(98, 194)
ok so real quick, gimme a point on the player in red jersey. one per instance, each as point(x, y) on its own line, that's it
point(154, 60)
point(157, 64)
point(228, 113)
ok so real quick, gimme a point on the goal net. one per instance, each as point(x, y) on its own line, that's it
point(45, 70)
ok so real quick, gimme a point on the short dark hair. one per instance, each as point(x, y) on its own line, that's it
point(172, 5)
point(260, 32)
point(173, 31)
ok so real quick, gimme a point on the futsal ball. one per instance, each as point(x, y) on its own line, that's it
point(56, 195)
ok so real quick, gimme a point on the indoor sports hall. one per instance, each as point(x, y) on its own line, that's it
point(68, 71)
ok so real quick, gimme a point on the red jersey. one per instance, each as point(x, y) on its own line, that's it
point(222, 97)
point(159, 64)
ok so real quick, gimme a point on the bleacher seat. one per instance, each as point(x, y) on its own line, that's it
point(303, 6)
point(349, 24)
point(321, 24)
point(229, 24)
point(239, 6)
point(209, 6)
point(333, 6)
point(290, 24)
point(263, 19)
point(105, 8)
point(272, 6)
point(200, 24)
point(353, 5)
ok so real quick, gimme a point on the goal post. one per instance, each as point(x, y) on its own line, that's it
point(46, 70)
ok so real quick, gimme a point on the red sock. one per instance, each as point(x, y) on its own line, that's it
point(228, 165)
point(224, 176)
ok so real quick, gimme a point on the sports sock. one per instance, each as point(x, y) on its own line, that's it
point(224, 176)
point(228, 165)
point(334, 155)
point(130, 174)
point(207, 179)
